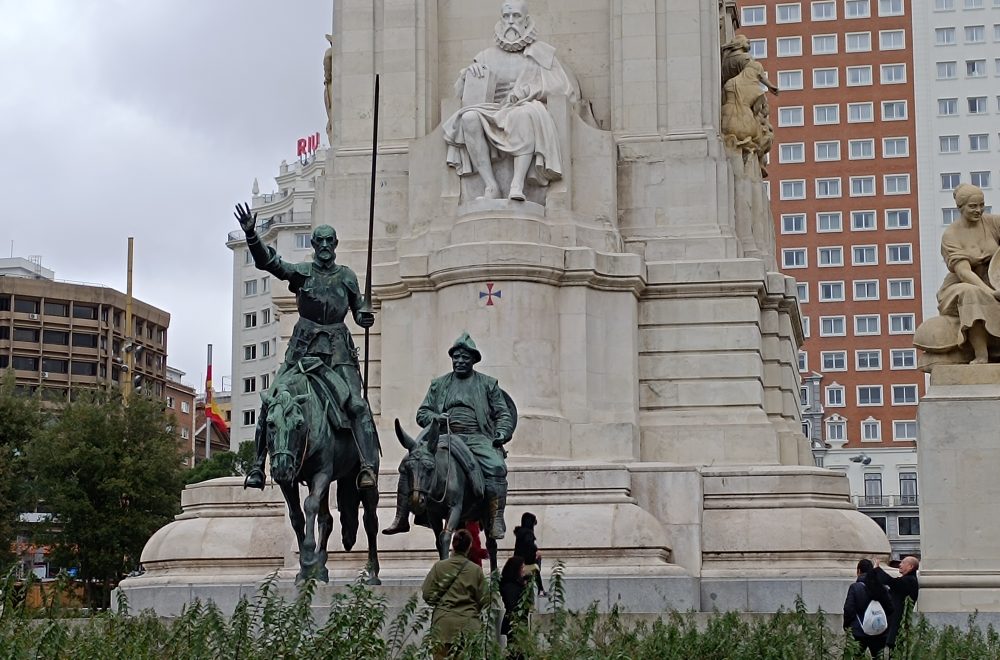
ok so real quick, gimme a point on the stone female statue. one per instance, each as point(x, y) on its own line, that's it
point(968, 302)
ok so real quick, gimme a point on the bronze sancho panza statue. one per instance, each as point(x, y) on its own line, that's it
point(470, 407)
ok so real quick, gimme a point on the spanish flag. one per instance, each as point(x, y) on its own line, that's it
point(212, 411)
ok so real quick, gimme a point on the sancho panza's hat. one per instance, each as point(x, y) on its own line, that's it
point(465, 343)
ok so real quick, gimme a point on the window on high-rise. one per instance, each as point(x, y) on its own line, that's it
point(859, 75)
point(824, 44)
point(833, 361)
point(828, 188)
point(858, 42)
point(831, 256)
point(973, 4)
point(947, 70)
point(862, 186)
point(793, 223)
point(758, 48)
point(832, 326)
point(249, 417)
point(865, 289)
point(896, 184)
point(893, 74)
point(789, 13)
point(824, 78)
point(827, 151)
point(944, 36)
point(829, 221)
point(944, 5)
point(789, 46)
point(891, 40)
point(826, 114)
point(975, 34)
point(835, 430)
point(948, 144)
point(975, 68)
point(903, 358)
point(793, 258)
point(979, 142)
point(857, 8)
point(893, 110)
point(947, 107)
point(302, 241)
point(790, 80)
point(897, 219)
point(858, 113)
point(861, 149)
point(250, 320)
point(250, 288)
point(823, 10)
point(980, 178)
point(901, 288)
point(899, 253)
point(863, 221)
point(753, 16)
point(869, 395)
point(871, 431)
point(904, 395)
point(895, 147)
point(890, 7)
point(792, 152)
point(249, 384)
point(831, 291)
point(802, 291)
point(868, 360)
point(949, 215)
point(864, 255)
point(866, 324)
point(790, 116)
point(793, 189)
point(908, 525)
point(901, 324)
point(977, 105)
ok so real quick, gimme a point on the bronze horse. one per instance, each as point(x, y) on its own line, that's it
point(444, 497)
point(305, 449)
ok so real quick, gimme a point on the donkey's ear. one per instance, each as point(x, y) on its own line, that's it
point(404, 439)
point(301, 398)
point(266, 398)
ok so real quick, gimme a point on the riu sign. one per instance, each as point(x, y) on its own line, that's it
point(307, 146)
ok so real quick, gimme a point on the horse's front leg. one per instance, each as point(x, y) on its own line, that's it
point(369, 500)
point(324, 524)
point(319, 490)
point(491, 547)
point(451, 524)
point(291, 493)
point(439, 534)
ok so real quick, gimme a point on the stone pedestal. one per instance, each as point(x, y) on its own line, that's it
point(959, 457)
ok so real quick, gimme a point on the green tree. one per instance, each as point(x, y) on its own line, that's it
point(21, 418)
point(223, 464)
point(110, 473)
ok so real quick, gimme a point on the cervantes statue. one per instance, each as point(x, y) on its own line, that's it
point(504, 93)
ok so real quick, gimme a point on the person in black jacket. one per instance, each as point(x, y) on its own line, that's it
point(900, 588)
point(526, 548)
point(512, 589)
point(862, 592)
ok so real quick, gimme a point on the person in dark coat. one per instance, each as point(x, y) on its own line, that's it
point(900, 588)
point(526, 548)
point(862, 592)
point(512, 591)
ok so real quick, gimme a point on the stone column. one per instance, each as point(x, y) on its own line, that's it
point(959, 458)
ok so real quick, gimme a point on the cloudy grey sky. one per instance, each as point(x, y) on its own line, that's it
point(151, 118)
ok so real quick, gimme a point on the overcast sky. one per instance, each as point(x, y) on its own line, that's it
point(151, 118)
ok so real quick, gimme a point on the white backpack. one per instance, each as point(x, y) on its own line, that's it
point(875, 621)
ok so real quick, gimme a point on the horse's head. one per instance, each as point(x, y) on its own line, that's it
point(287, 433)
point(422, 463)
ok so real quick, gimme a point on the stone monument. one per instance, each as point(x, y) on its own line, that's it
point(626, 295)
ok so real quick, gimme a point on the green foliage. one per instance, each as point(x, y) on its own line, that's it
point(110, 474)
point(271, 625)
point(223, 464)
point(21, 417)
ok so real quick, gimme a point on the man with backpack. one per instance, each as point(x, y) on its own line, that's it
point(866, 610)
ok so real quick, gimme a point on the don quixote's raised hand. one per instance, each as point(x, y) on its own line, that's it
point(246, 218)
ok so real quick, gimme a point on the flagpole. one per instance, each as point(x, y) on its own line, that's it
point(208, 402)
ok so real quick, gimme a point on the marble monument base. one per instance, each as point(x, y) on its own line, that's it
point(959, 458)
point(649, 538)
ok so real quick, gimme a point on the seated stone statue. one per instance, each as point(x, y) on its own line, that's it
point(515, 78)
point(968, 301)
point(471, 406)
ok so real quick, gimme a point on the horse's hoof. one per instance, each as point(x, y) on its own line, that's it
point(323, 576)
point(374, 581)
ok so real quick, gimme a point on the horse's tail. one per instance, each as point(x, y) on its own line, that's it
point(348, 502)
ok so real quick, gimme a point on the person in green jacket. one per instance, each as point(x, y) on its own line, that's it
point(456, 588)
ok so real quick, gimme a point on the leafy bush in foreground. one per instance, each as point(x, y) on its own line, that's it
point(358, 626)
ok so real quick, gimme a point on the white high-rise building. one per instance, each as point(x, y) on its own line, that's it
point(284, 222)
point(957, 71)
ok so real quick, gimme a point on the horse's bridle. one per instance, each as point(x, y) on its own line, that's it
point(290, 454)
